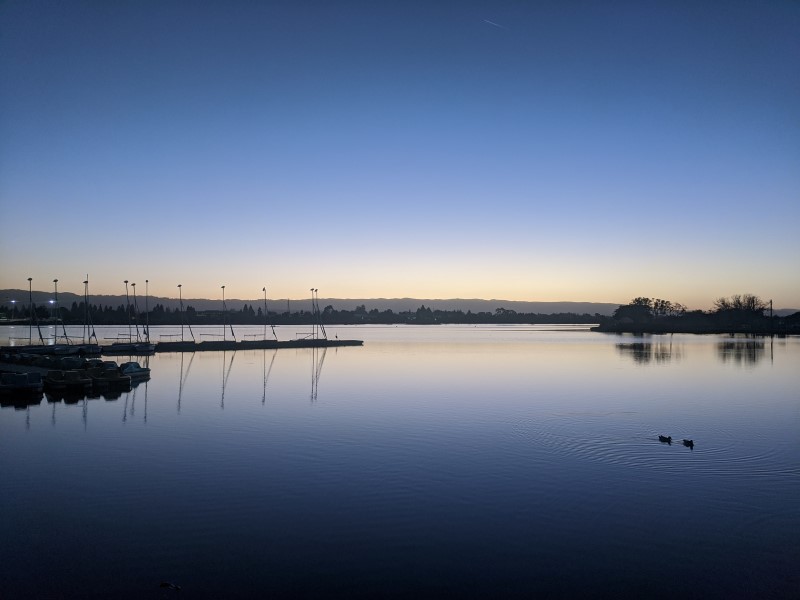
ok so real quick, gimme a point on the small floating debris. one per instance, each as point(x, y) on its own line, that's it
point(665, 439)
point(689, 444)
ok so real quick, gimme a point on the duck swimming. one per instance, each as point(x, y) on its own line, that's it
point(667, 439)
point(688, 443)
point(170, 586)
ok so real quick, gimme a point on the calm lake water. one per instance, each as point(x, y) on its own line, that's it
point(433, 461)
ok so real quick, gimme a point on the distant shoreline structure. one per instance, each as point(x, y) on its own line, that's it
point(280, 305)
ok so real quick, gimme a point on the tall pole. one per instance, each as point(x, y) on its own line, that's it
point(86, 309)
point(146, 308)
point(223, 315)
point(313, 317)
point(55, 331)
point(180, 303)
point(264, 289)
point(319, 314)
point(135, 313)
point(128, 309)
point(30, 310)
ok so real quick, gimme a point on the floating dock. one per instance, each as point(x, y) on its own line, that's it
point(253, 345)
point(207, 346)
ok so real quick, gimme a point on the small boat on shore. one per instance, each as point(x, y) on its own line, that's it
point(68, 382)
point(135, 371)
point(108, 378)
point(21, 384)
point(54, 349)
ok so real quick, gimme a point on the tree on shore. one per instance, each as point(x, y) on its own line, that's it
point(741, 302)
point(642, 309)
point(740, 310)
point(739, 313)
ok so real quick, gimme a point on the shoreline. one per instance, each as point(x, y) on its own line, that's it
point(651, 330)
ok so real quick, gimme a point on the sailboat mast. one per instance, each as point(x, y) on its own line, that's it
point(223, 320)
point(30, 310)
point(55, 307)
point(128, 310)
point(136, 313)
point(147, 309)
point(180, 304)
point(313, 317)
point(224, 310)
point(85, 309)
point(58, 315)
point(87, 315)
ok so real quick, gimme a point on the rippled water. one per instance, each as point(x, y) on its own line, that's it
point(432, 461)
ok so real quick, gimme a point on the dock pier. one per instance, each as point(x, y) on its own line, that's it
point(207, 346)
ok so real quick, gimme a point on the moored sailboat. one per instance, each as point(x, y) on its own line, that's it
point(139, 347)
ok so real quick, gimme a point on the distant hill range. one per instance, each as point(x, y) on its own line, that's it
point(280, 305)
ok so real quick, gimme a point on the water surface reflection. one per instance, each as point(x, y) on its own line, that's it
point(741, 352)
point(650, 351)
point(429, 462)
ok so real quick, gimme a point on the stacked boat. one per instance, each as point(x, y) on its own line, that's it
point(20, 389)
point(25, 378)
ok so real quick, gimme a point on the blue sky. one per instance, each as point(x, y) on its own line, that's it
point(516, 150)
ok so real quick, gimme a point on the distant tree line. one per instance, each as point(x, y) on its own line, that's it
point(252, 315)
point(741, 313)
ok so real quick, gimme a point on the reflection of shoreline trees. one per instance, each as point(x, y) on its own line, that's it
point(736, 314)
point(747, 352)
point(649, 352)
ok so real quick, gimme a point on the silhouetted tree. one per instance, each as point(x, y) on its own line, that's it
point(743, 302)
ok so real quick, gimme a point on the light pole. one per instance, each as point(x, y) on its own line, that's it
point(146, 308)
point(52, 317)
point(135, 311)
point(55, 335)
point(30, 310)
point(128, 310)
point(85, 309)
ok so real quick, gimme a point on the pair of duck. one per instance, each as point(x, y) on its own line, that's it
point(667, 439)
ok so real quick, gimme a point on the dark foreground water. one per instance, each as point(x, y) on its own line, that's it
point(439, 461)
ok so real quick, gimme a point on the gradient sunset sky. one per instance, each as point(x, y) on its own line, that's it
point(563, 150)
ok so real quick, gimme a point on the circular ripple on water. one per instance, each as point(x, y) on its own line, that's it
point(619, 438)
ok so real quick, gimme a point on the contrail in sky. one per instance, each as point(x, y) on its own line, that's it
point(493, 23)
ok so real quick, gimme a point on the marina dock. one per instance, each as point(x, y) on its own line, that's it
point(253, 345)
point(183, 346)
